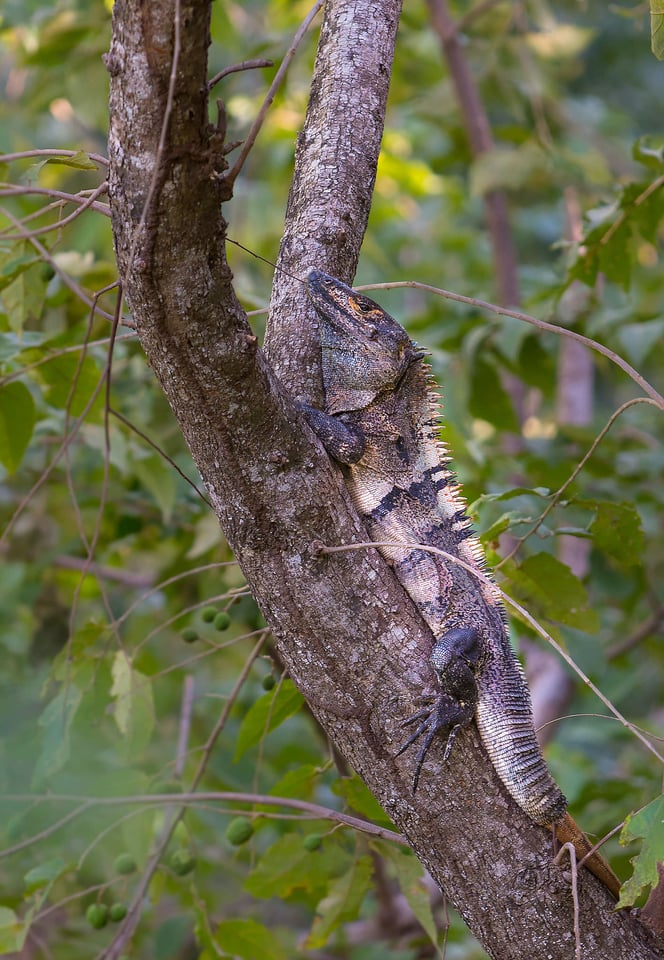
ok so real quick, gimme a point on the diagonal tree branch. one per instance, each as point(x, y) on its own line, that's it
point(335, 171)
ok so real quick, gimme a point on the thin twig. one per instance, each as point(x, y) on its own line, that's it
point(526, 318)
point(618, 222)
point(90, 544)
point(600, 843)
point(159, 587)
point(126, 577)
point(84, 204)
point(161, 453)
point(644, 630)
point(193, 799)
point(185, 611)
point(27, 154)
point(232, 174)
point(568, 848)
point(39, 483)
point(17, 374)
point(236, 68)
point(555, 498)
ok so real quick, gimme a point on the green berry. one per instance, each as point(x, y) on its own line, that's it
point(182, 862)
point(268, 682)
point(208, 614)
point(222, 621)
point(117, 912)
point(239, 830)
point(312, 842)
point(124, 863)
point(189, 635)
point(97, 915)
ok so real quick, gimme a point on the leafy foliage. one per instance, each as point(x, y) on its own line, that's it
point(136, 668)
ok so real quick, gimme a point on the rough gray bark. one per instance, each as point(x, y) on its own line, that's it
point(346, 630)
point(335, 171)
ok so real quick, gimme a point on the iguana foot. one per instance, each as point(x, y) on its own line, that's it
point(443, 713)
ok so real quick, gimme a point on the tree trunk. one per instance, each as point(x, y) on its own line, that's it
point(346, 630)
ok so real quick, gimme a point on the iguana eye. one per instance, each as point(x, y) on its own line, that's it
point(363, 305)
point(366, 306)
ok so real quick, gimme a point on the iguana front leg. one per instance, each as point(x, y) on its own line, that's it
point(344, 443)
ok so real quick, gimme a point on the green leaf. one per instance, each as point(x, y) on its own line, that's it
point(13, 267)
point(358, 796)
point(617, 530)
point(488, 400)
point(542, 492)
point(299, 782)
point(267, 713)
point(547, 588)
point(503, 523)
point(68, 381)
point(44, 874)
point(248, 939)
point(287, 866)
point(615, 255)
point(642, 152)
point(12, 344)
point(12, 932)
point(23, 290)
point(56, 721)
point(638, 339)
point(134, 706)
point(342, 903)
point(158, 477)
point(205, 939)
point(57, 40)
point(657, 28)
point(17, 422)
point(410, 876)
point(80, 161)
point(647, 823)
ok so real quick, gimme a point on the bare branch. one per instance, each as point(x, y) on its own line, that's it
point(85, 203)
point(237, 68)
point(31, 154)
point(129, 578)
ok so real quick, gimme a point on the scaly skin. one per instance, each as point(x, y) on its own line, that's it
point(380, 423)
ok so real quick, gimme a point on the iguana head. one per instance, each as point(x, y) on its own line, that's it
point(364, 350)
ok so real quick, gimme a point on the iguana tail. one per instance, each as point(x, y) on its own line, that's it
point(567, 831)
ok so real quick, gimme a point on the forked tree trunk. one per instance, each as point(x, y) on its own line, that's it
point(347, 632)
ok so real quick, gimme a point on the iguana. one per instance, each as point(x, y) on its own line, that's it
point(380, 424)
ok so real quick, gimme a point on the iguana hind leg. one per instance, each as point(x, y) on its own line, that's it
point(444, 713)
